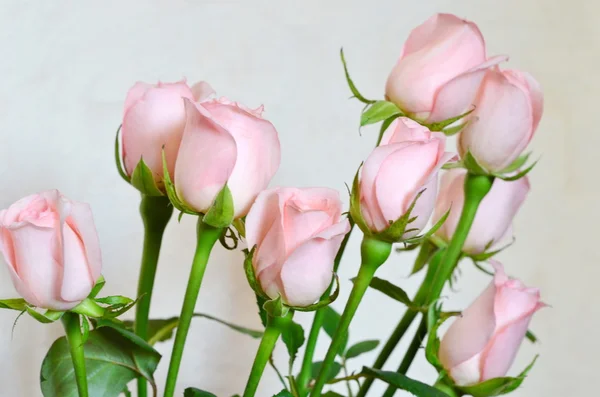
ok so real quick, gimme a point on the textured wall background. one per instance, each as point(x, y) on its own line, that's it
point(66, 66)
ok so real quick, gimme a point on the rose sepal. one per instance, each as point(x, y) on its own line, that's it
point(510, 173)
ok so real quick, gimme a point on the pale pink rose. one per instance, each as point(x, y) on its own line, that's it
point(225, 142)
point(508, 109)
point(407, 162)
point(51, 248)
point(153, 117)
point(483, 342)
point(494, 216)
point(297, 234)
point(440, 69)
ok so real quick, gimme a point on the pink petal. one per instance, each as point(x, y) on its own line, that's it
point(135, 93)
point(404, 129)
point(202, 91)
point(535, 92)
point(77, 281)
point(81, 220)
point(205, 160)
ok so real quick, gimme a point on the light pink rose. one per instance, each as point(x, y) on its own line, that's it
point(483, 342)
point(153, 117)
point(494, 217)
point(297, 234)
point(406, 163)
point(225, 142)
point(508, 109)
point(51, 248)
point(440, 69)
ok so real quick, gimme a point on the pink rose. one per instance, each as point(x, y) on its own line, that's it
point(154, 116)
point(297, 234)
point(483, 342)
point(51, 248)
point(494, 217)
point(225, 142)
point(440, 69)
point(508, 110)
point(407, 163)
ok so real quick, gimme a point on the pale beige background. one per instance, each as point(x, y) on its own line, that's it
point(66, 66)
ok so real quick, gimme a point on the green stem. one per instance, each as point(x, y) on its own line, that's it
point(410, 354)
point(476, 187)
point(374, 253)
point(346, 374)
point(311, 343)
point(274, 327)
point(156, 213)
point(449, 390)
point(73, 331)
point(207, 237)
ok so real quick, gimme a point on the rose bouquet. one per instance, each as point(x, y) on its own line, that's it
point(190, 152)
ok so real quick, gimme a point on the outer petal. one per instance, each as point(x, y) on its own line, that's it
point(261, 216)
point(501, 126)
point(535, 92)
point(309, 269)
point(154, 121)
point(77, 281)
point(258, 152)
point(135, 93)
point(402, 175)
point(449, 198)
point(205, 160)
point(81, 220)
point(435, 52)
point(457, 95)
point(470, 333)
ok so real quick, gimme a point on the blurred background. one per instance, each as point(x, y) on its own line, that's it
point(67, 65)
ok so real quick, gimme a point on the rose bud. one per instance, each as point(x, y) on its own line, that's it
point(154, 116)
point(225, 143)
point(296, 234)
point(395, 173)
point(51, 248)
point(492, 224)
point(508, 109)
point(440, 69)
point(483, 342)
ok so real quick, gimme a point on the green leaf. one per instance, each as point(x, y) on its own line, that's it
point(427, 250)
point(361, 347)
point(403, 382)
point(331, 320)
point(113, 358)
point(379, 111)
point(323, 302)
point(353, 88)
point(143, 180)
point(220, 214)
point(443, 124)
point(292, 336)
point(276, 308)
point(393, 291)
point(118, 162)
point(193, 392)
point(332, 394)
point(160, 330)
point(14, 304)
point(333, 371)
point(283, 393)
point(497, 386)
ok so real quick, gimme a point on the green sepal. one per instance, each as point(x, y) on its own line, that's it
point(172, 192)
point(451, 131)
point(484, 256)
point(221, 212)
point(439, 126)
point(115, 301)
point(323, 302)
point(353, 88)
point(531, 337)
point(472, 165)
point(424, 237)
point(497, 386)
point(276, 308)
point(428, 249)
point(361, 348)
point(334, 370)
point(194, 392)
point(519, 175)
point(14, 304)
point(240, 226)
point(251, 276)
point(118, 162)
point(355, 211)
point(397, 228)
point(97, 287)
point(433, 342)
point(379, 111)
point(143, 180)
point(516, 165)
point(49, 316)
point(85, 328)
